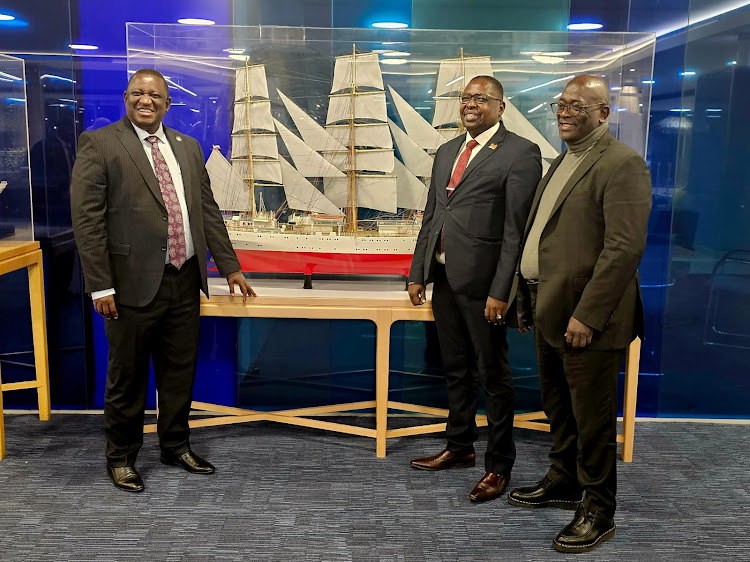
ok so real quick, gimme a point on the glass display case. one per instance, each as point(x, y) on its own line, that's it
point(320, 141)
point(15, 187)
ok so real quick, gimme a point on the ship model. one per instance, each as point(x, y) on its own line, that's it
point(334, 171)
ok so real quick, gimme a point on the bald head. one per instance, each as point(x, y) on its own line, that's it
point(591, 95)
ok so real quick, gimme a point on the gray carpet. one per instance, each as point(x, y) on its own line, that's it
point(293, 494)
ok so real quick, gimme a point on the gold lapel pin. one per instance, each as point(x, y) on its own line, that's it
point(178, 138)
point(493, 146)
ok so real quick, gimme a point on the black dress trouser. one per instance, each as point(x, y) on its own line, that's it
point(474, 352)
point(579, 396)
point(165, 331)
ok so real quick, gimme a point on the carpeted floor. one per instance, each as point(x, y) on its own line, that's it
point(285, 493)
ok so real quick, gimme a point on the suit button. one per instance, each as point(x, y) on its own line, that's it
point(163, 248)
point(164, 217)
point(448, 208)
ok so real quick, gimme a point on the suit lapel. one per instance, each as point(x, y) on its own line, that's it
point(594, 154)
point(129, 139)
point(180, 153)
point(484, 153)
point(538, 194)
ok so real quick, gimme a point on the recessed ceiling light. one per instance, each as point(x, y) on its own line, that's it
point(239, 57)
point(394, 61)
point(555, 53)
point(195, 21)
point(584, 26)
point(544, 59)
point(6, 17)
point(616, 88)
point(688, 73)
point(234, 51)
point(390, 25)
point(396, 54)
point(81, 47)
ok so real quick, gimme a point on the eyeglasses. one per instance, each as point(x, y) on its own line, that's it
point(479, 99)
point(574, 110)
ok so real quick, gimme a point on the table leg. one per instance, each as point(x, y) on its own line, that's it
point(632, 364)
point(39, 331)
point(382, 371)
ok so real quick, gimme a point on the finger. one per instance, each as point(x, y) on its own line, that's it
point(243, 288)
point(568, 338)
point(113, 311)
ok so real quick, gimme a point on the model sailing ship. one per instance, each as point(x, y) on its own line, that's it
point(352, 161)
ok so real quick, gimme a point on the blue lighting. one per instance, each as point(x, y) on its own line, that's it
point(688, 73)
point(9, 20)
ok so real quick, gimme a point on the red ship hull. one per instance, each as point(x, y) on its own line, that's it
point(322, 262)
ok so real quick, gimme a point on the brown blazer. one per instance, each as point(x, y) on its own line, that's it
point(119, 217)
point(591, 247)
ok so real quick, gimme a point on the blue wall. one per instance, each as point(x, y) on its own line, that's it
point(695, 272)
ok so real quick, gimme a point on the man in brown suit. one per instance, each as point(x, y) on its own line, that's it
point(144, 216)
point(579, 286)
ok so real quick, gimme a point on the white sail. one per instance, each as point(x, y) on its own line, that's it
point(449, 134)
point(367, 105)
point(230, 191)
point(373, 192)
point(515, 121)
point(314, 135)
point(258, 118)
point(416, 126)
point(454, 74)
point(375, 135)
point(263, 145)
point(265, 171)
point(364, 68)
point(416, 160)
point(410, 192)
point(309, 163)
point(250, 82)
point(371, 159)
point(446, 112)
point(301, 195)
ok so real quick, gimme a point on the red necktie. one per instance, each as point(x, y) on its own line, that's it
point(176, 229)
point(458, 173)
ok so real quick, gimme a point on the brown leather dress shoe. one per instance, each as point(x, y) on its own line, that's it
point(444, 459)
point(489, 487)
point(189, 461)
point(126, 478)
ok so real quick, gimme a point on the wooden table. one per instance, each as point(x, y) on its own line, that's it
point(14, 256)
point(383, 303)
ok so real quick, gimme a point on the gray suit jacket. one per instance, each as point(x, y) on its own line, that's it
point(483, 219)
point(591, 247)
point(119, 217)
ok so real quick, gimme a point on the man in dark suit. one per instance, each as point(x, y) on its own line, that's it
point(144, 217)
point(579, 286)
point(481, 191)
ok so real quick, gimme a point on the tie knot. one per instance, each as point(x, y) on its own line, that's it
point(153, 139)
point(471, 144)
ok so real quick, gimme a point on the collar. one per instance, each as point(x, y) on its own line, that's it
point(143, 134)
point(589, 140)
point(483, 138)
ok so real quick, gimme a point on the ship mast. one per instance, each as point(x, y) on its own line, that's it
point(351, 206)
point(248, 133)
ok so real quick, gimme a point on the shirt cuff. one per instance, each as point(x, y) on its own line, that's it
point(104, 293)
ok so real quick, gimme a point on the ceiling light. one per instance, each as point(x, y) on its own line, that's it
point(6, 17)
point(556, 96)
point(81, 47)
point(455, 80)
point(544, 59)
point(584, 26)
point(390, 25)
point(394, 61)
point(239, 57)
point(632, 70)
point(680, 109)
point(616, 88)
point(396, 54)
point(195, 21)
point(713, 109)
point(234, 51)
point(547, 83)
point(555, 53)
point(535, 108)
point(688, 73)
point(648, 81)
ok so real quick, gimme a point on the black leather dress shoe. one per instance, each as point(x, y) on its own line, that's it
point(546, 493)
point(586, 532)
point(444, 459)
point(126, 478)
point(189, 461)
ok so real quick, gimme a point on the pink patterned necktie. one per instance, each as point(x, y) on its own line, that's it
point(176, 228)
point(458, 173)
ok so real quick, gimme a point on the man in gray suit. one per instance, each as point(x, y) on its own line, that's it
point(144, 217)
point(579, 286)
point(482, 186)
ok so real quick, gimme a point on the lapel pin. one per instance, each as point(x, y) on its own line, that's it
point(493, 146)
point(178, 138)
